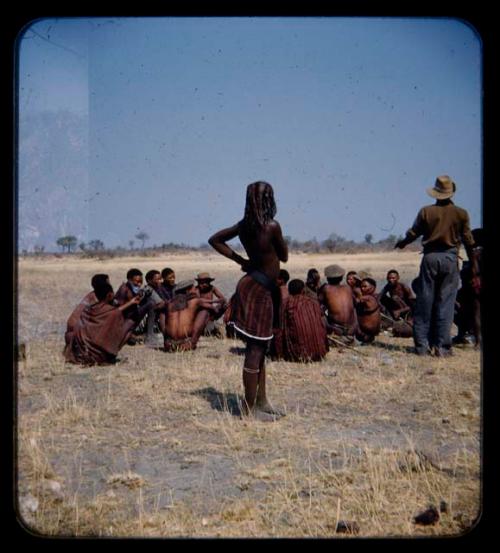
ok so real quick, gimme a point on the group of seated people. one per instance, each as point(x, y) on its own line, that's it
point(309, 316)
point(104, 321)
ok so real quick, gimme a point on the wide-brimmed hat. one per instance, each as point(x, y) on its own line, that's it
point(334, 271)
point(184, 285)
point(364, 274)
point(204, 276)
point(443, 189)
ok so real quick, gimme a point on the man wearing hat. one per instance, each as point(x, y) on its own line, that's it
point(185, 317)
point(337, 301)
point(443, 226)
point(206, 290)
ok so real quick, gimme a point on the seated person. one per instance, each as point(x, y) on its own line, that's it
point(156, 304)
point(166, 290)
point(281, 282)
point(313, 283)
point(131, 288)
point(101, 330)
point(468, 303)
point(397, 298)
point(206, 290)
point(353, 280)
point(282, 291)
point(185, 317)
point(303, 330)
point(88, 299)
point(368, 311)
point(128, 290)
point(337, 303)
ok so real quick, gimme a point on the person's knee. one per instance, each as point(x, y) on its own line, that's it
point(254, 355)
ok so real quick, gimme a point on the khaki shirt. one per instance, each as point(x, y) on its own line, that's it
point(442, 226)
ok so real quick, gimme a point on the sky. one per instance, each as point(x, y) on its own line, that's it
point(159, 124)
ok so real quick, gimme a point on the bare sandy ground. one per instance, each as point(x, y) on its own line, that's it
point(154, 445)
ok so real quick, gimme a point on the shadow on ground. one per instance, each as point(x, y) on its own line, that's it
point(221, 402)
point(393, 347)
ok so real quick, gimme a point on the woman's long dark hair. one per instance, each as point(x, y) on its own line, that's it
point(260, 207)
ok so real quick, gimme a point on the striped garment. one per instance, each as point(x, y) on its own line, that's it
point(304, 334)
point(252, 309)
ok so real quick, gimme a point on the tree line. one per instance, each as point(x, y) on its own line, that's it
point(335, 243)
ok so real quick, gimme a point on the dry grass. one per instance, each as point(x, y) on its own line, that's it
point(153, 446)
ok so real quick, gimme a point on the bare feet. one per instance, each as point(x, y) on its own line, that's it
point(266, 407)
point(262, 416)
point(257, 412)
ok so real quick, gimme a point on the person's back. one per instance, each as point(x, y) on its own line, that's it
point(337, 299)
point(89, 299)
point(180, 316)
point(257, 296)
point(185, 317)
point(101, 330)
point(304, 333)
point(261, 247)
point(443, 227)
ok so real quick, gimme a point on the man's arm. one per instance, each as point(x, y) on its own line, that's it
point(212, 305)
point(218, 294)
point(218, 243)
point(134, 301)
point(412, 233)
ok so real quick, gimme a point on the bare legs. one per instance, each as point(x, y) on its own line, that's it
point(254, 381)
point(199, 324)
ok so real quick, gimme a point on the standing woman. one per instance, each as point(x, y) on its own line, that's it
point(252, 312)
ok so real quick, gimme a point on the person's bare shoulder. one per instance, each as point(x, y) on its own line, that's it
point(274, 225)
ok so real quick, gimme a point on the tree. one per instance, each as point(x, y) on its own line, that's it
point(61, 242)
point(96, 245)
point(71, 241)
point(311, 245)
point(67, 242)
point(368, 238)
point(142, 236)
point(131, 244)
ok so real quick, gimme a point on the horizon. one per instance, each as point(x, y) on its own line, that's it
point(159, 124)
